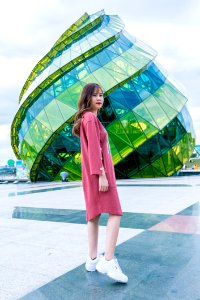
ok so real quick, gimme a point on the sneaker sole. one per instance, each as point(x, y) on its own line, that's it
point(121, 281)
point(104, 273)
point(90, 269)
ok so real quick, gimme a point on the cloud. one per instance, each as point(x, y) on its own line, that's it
point(6, 151)
point(158, 11)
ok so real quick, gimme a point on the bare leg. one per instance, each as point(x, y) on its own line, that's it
point(93, 230)
point(111, 236)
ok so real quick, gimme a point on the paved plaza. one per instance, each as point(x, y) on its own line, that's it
point(43, 241)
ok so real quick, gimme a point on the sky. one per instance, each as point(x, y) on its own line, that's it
point(29, 28)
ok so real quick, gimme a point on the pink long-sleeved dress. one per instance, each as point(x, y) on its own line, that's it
point(95, 153)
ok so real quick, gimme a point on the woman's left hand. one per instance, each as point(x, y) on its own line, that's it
point(103, 183)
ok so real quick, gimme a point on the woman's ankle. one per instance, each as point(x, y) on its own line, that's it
point(108, 257)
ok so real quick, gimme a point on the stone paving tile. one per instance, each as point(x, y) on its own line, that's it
point(153, 261)
point(193, 210)
point(128, 220)
point(179, 224)
point(48, 256)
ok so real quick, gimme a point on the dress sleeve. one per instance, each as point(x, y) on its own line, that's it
point(94, 148)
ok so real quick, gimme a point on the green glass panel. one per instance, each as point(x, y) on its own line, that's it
point(117, 76)
point(113, 67)
point(66, 110)
point(122, 63)
point(133, 129)
point(65, 97)
point(171, 96)
point(191, 142)
point(169, 162)
point(136, 175)
point(120, 145)
point(45, 132)
point(42, 118)
point(54, 115)
point(119, 138)
point(185, 152)
point(156, 111)
point(136, 59)
point(23, 150)
point(147, 172)
point(142, 111)
point(104, 79)
point(178, 150)
point(148, 129)
point(36, 135)
point(169, 99)
point(142, 162)
point(116, 128)
point(157, 172)
point(28, 139)
point(133, 174)
point(75, 90)
point(28, 154)
point(178, 164)
point(115, 154)
point(159, 165)
point(142, 48)
point(170, 112)
point(73, 168)
point(77, 159)
point(181, 99)
point(32, 153)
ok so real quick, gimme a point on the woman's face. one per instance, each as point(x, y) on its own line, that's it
point(97, 100)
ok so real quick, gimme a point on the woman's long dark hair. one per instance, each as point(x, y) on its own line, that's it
point(84, 104)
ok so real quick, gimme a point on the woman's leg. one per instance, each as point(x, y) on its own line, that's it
point(111, 236)
point(93, 230)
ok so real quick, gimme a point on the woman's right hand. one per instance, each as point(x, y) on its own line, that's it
point(103, 183)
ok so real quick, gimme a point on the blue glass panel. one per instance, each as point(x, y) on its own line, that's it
point(69, 80)
point(185, 117)
point(118, 95)
point(142, 92)
point(91, 66)
point(58, 87)
point(24, 127)
point(132, 98)
point(103, 57)
point(29, 118)
point(156, 72)
point(123, 40)
point(48, 96)
point(36, 108)
point(20, 136)
point(119, 107)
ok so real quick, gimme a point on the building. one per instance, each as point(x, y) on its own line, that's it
point(149, 127)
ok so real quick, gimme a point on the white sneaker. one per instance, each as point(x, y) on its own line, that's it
point(112, 269)
point(90, 264)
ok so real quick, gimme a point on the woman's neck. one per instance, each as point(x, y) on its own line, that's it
point(94, 112)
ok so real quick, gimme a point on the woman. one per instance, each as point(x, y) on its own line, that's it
point(99, 182)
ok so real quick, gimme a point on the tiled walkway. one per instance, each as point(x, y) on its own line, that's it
point(43, 241)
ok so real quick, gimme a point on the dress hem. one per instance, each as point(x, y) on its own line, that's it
point(99, 213)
